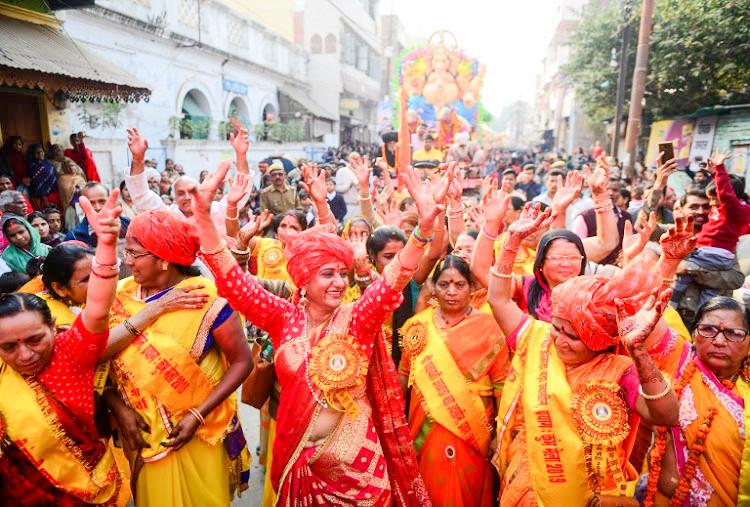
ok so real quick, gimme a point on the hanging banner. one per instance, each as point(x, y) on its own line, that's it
point(679, 132)
point(703, 141)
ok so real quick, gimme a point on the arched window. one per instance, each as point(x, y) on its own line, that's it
point(330, 43)
point(196, 116)
point(316, 44)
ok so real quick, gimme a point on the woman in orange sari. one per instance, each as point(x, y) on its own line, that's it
point(705, 459)
point(456, 360)
point(341, 433)
point(571, 405)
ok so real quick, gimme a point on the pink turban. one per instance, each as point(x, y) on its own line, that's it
point(588, 303)
point(312, 249)
point(165, 235)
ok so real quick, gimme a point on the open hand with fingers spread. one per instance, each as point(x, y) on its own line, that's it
point(679, 240)
point(240, 140)
point(137, 145)
point(239, 190)
point(252, 228)
point(314, 182)
point(531, 220)
point(429, 197)
point(567, 191)
point(634, 328)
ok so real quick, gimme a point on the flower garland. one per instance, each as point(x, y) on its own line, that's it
point(694, 451)
point(660, 442)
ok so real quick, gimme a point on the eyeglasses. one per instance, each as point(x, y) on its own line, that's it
point(129, 254)
point(564, 258)
point(732, 334)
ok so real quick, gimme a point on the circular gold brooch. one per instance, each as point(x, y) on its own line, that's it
point(413, 338)
point(600, 413)
point(273, 256)
point(336, 363)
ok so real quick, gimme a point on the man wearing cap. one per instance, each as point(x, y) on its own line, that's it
point(278, 197)
point(429, 153)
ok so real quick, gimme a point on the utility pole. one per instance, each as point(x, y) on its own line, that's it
point(639, 85)
point(621, 77)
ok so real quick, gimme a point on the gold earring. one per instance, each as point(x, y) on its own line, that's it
point(302, 299)
point(164, 266)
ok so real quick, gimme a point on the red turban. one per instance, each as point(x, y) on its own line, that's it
point(588, 303)
point(165, 235)
point(312, 249)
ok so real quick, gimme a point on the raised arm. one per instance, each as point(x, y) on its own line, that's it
point(456, 223)
point(239, 193)
point(362, 170)
point(654, 195)
point(429, 199)
point(607, 236)
point(143, 197)
point(635, 237)
point(105, 268)
point(483, 255)
point(243, 291)
point(567, 192)
point(500, 296)
point(241, 143)
point(314, 183)
point(657, 403)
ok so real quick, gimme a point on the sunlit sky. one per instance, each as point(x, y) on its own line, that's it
point(509, 36)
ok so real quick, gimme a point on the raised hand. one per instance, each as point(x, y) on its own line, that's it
point(389, 213)
point(531, 220)
point(239, 190)
point(428, 197)
point(252, 227)
point(137, 144)
point(476, 218)
point(634, 328)
point(718, 158)
point(314, 182)
point(203, 194)
point(239, 140)
point(495, 206)
point(598, 180)
point(567, 191)
point(105, 223)
point(664, 170)
point(361, 168)
point(678, 241)
point(634, 238)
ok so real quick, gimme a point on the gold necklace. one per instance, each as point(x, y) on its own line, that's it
point(445, 321)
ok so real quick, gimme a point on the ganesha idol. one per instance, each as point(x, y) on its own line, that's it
point(440, 76)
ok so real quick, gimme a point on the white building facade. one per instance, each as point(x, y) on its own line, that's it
point(205, 63)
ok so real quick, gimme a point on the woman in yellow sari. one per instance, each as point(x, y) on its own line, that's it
point(571, 405)
point(705, 459)
point(180, 373)
point(456, 361)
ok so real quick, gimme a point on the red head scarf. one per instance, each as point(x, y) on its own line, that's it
point(165, 235)
point(310, 250)
point(588, 303)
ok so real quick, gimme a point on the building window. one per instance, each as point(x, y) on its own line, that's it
point(316, 44)
point(330, 43)
point(196, 116)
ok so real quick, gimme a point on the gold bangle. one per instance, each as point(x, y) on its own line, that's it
point(240, 252)
point(197, 415)
point(658, 396)
point(233, 219)
point(495, 272)
point(222, 245)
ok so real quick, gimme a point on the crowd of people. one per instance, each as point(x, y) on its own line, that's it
point(558, 334)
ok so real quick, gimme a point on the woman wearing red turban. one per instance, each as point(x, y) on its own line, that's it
point(180, 373)
point(571, 405)
point(341, 432)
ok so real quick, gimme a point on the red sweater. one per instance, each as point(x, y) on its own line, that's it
point(724, 228)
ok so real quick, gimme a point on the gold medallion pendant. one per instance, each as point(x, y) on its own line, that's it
point(273, 256)
point(413, 338)
point(600, 413)
point(338, 368)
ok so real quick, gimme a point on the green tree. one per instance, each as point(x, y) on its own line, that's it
point(698, 57)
